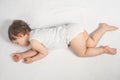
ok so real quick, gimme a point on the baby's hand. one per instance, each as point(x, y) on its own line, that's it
point(28, 60)
point(17, 57)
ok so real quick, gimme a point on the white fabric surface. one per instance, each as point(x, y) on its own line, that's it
point(60, 64)
point(50, 36)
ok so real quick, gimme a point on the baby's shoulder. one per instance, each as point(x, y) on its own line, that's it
point(36, 44)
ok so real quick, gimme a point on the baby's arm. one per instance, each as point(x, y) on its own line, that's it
point(37, 46)
point(29, 53)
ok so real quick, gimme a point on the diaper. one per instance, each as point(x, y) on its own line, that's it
point(73, 29)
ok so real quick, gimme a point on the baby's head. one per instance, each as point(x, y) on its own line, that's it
point(18, 32)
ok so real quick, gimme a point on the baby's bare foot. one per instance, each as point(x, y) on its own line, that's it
point(17, 57)
point(109, 50)
point(107, 27)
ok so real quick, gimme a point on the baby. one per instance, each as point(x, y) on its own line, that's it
point(72, 34)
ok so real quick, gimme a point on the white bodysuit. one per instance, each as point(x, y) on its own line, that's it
point(63, 33)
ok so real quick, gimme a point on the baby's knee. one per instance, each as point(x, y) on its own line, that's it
point(90, 43)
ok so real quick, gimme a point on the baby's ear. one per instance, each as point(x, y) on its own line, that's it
point(20, 35)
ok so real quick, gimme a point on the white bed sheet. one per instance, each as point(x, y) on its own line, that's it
point(60, 64)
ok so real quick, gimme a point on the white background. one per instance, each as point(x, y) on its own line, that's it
point(60, 64)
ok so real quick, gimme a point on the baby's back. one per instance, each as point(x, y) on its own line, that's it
point(50, 36)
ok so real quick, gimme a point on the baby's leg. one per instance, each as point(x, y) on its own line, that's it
point(95, 37)
point(18, 56)
point(78, 45)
